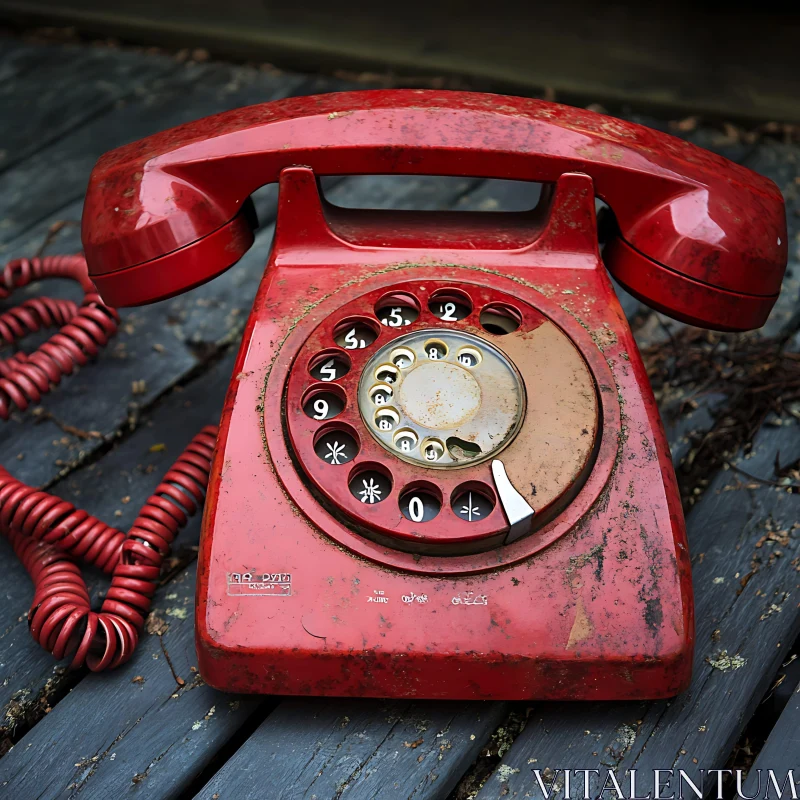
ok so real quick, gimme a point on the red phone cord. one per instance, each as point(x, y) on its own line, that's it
point(49, 534)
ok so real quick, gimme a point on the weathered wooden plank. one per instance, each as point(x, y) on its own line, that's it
point(57, 175)
point(752, 620)
point(357, 749)
point(61, 93)
point(578, 53)
point(17, 57)
point(780, 753)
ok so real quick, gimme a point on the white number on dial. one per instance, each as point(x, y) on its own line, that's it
point(395, 318)
point(447, 311)
point(320, 409)
point(351, 342)
point(415, 509)
point(328, 370)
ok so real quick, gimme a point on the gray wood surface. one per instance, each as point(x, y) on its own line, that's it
point(781, 752)
point(663, 55)
point(136, 732)
point(17, 57)
point(44, 107)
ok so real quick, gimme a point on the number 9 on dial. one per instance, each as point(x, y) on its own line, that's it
point(323, 405)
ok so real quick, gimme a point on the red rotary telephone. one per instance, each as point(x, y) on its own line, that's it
point(440, 470)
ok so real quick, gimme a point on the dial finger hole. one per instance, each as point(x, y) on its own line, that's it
point(472, 502)
point(402, 357)
point(435, 350)
point(355, 333)
point(387, 373)
point(450, 305)
point(421, 502)
point(397, 310)
point(500, 318)
point(370, 483)
point(432, 449)
point(329, 365)
point(323, 403)
point(462, 450)
point(405, 440)
point(469, 357)
point(387, 419)
point(336, 446)
point(381, 394)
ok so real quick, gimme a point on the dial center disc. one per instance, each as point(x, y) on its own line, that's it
point(441, 398)
point(439, 395)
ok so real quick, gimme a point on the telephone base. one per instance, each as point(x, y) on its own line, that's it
point(388, 424)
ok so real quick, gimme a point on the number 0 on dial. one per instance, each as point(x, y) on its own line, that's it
point(419, 505)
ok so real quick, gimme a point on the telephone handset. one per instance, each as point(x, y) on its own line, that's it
point(440, 470)
point(699, 237)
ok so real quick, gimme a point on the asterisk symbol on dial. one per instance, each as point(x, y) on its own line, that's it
point(335, 452)
point(469, 510)
point(371, 493)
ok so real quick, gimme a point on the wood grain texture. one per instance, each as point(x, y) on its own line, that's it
point(133, 731)
point(669, 55)
point(781, 752)
point(58, 174)
point(18, 57)
point(316, 748)
point(44, 106)
point(114, 488)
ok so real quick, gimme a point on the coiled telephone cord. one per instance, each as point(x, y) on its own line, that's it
point(49, 534)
